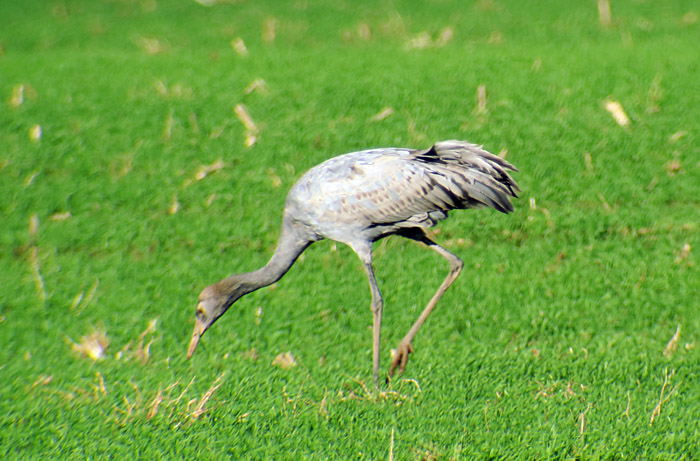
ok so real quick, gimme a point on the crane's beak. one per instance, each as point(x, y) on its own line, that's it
point(199, 328)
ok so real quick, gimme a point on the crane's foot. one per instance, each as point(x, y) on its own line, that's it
point(400, 358)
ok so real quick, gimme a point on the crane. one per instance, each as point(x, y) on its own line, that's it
point(361, 197)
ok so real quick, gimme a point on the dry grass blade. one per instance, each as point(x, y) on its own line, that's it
point(673, 343)
point(17, 96)
point(239, 47)
point(419, 42)
point(275, 179)
point(92, 345)
point(245, 118)
point(35, 133)
point(36, 274)
point(691, 17)
point(445, 37)
point(174, 205)
point(382, 114)
point(496, 37)
point(33, 225)
point(151, 45)
point(377, 395)
point(673, 167)
point(605, 203)
point(258, 85)
point(131, 407)
point(675, 137)
point(141, 352)
point(269, 29)
point(161, 403)
point(251, 129)
point(363, 31)
point(80, 303)
point(99, 389)
point(481, 100)
point(367, 394)
point(285, 361)
point(582, 420)
point(202, 172)
point(101, 384)
point(423, 39)
point(205, 170)
point(604, 13)
point(43, 380)
point(209, 200)
point(155, 403)
point(76, 302)
point(629, 404)
point(683, 253)
point(199, 410)
point(654, 95)
point(663, 399)
point(618, 113)
point(173, 402)
point(168, 126)
point(251, 354)
point(60, 216)
point(391, 446)
point(29, 180)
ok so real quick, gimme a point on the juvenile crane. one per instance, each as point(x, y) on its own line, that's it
point(361, 197)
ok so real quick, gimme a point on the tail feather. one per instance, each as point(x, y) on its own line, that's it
point(472, 175)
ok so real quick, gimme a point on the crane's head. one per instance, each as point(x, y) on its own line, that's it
point(213, 302)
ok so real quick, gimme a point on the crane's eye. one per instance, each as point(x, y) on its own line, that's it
point(200, 309)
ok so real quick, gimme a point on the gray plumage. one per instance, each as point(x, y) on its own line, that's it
point(361, 197)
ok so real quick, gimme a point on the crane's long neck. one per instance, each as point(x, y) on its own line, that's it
point(293, 241)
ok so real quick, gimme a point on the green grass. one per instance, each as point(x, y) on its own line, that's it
point(551, 343)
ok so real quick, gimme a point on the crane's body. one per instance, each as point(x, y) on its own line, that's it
point(360, 197)
point(369, 194)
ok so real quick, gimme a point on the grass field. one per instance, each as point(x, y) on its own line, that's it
point(126, 186)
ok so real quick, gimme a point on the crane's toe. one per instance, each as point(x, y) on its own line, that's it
point(400, 357)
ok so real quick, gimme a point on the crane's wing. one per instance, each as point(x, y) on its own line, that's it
point(403, 187)
point(469, 176)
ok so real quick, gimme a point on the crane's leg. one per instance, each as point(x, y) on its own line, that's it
point(364, 251)
point(404, 348)
point(377, 305)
